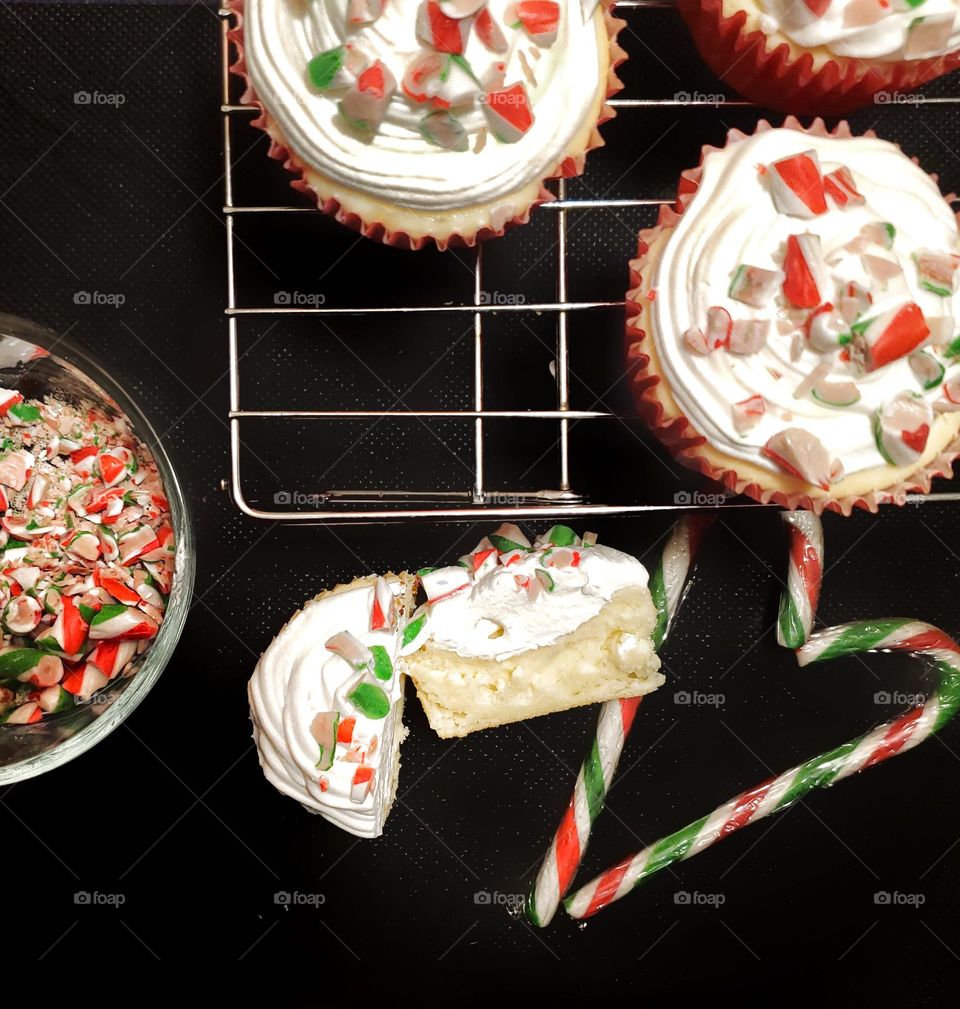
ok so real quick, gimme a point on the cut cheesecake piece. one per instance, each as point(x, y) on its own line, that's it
point(514, 631)
point(326, 701)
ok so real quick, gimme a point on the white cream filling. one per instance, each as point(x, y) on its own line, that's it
point(495, 617)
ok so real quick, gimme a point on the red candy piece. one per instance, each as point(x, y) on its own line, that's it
point(817, 7)
point(489, 33)
point(445, 34)
point(508, 112)
point(796, 186)
point(890, 336)
point(540, 19)
point(800, 284)
point(842, 189)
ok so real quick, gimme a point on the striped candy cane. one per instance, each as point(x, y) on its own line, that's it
point(616, 719)
point(897, 634)
point(798, 604)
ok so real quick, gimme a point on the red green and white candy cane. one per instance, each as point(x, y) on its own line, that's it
point(899, 634)
point(798, 603)
point(613, 726)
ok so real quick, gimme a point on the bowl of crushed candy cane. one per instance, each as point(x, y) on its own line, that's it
point(96, 552)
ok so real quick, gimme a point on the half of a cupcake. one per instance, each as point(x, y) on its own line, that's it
point(326, 701)
point(428, 120)
point(512, 631)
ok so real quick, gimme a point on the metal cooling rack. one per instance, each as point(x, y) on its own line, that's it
point(477, 501)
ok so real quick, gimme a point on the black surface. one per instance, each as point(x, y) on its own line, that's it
point(171, 812)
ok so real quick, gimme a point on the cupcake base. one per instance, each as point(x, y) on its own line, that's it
point(865, 489)
point(778, 74)
point(408, 228)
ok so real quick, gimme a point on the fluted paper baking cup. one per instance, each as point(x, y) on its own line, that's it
point(778, 74)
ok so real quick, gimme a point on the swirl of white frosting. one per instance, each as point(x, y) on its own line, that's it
point(298, 678)
point(841, 31)
point(495, 617)
point(732, 220)
point(398, 165)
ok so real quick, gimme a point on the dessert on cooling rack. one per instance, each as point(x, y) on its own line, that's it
point(511, 631)
point(793, 322)
point(88, 554)
point(825, 57)
point(420, 120)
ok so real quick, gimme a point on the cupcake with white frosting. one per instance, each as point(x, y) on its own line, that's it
point(428, 120)
point(825, 57)
point(793, 321)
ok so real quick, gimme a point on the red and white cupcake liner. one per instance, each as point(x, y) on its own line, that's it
point(568, 167)
point(673, 427)
point(775, 77)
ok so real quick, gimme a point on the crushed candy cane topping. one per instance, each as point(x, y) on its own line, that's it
point(87, 554)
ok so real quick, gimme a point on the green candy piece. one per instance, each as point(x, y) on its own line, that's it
point(935, 289)
point(88, 613)
point(953, 348)
point(15, 545)
point(561, 536)
point(545, 579)
point(504, 546)
point(370, 700)
point(106, 613)
point(324, 67)
point(382, 666)
point(25, 412)
point(64, 700)
point(412, 630)
point(328, 749)
point(18, 661)
point(425, 571)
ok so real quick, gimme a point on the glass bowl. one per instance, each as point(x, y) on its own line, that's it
point(37, 362)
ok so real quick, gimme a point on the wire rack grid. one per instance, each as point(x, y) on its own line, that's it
point(476, 501)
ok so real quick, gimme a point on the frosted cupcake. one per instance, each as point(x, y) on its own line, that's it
point(428, 120)
point(792, 321)
point(825, 57)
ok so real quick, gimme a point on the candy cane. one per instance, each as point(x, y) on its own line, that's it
point(613, 726)
point(898, 634)
point(798, 603)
